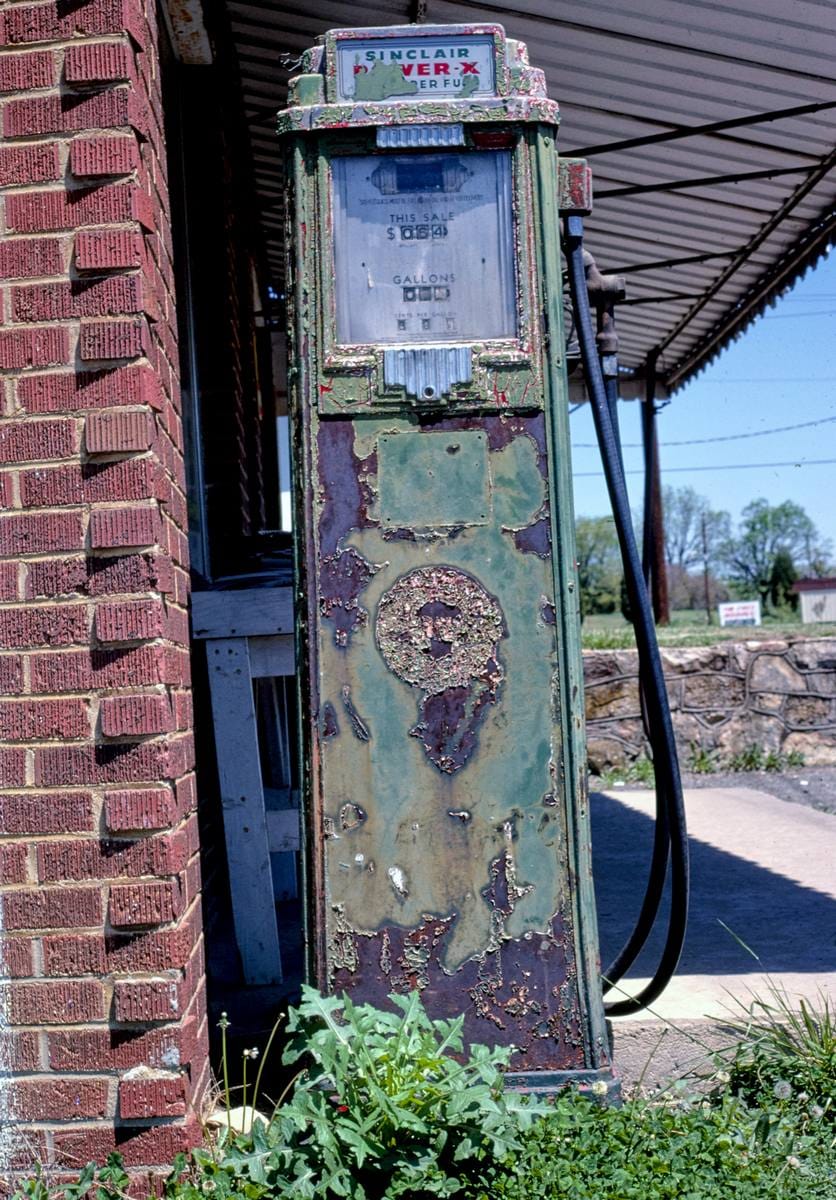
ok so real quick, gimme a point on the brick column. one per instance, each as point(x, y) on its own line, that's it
point(102, 1016)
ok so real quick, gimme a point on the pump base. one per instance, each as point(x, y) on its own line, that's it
point(550, 1083)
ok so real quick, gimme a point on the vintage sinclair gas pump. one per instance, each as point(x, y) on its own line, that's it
point(437, 610)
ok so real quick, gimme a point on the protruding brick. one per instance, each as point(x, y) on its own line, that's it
point(45, 347)
point(35, 440)
point(138, 904)
point(66, 299)
point(92, 483)
point(74, 954)
point(120, 432)
point(46, 812)
point(90, 858)
point(32, 115)
point(124, 573)
point(128, 526)
point(33, 212)
point(50, 1099)
point(40, 533)
point(53, 908)
point(98, 62)
point(135, 716)
point(95, 156)
point(82, 670)
point(113, 1050)
point(112, 339)
point(138, 1145)
point(107, 388)
point(24, 257)
point(151, 951)
point(42, 720)
point(146, 1001)
point(38, 163)
point(139, 809)
point(26, 72)
point(107, 249)
point(121, 763)
point(111, 575)
point(129, 620)
point(47, 625)
point(155, 1096)
point(53, 22)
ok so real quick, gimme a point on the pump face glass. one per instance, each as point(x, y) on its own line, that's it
point(424, 248)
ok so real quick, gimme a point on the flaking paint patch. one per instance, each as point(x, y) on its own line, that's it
point(438, 629)
point(448, 859)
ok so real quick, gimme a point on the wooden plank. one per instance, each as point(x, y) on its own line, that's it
point(248, 612)
point(283, 830)
point(242, 799)
point(272, 656)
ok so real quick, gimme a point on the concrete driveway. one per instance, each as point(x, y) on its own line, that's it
point(762, 866)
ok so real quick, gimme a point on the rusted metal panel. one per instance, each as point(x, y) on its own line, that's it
point(445, 802)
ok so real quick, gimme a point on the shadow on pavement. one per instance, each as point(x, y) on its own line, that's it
point(791, 928)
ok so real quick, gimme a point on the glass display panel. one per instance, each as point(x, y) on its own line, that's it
point(424, 248)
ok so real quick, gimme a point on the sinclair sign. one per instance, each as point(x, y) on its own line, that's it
point(453, 67)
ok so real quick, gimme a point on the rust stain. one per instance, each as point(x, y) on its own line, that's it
point(342, 578)
point(358, 726)
point(438, 629)
point(535, 539)
point(330, 724)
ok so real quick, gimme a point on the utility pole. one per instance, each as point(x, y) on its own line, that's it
point(705, 580)
point(653, 548)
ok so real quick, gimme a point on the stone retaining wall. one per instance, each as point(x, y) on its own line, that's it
point(777, 695)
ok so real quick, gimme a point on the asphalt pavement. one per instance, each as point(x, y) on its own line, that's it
point(763, 902)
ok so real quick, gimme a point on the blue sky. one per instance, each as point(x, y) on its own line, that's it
point(782, 372)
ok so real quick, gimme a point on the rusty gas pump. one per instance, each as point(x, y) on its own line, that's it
point(437, 607)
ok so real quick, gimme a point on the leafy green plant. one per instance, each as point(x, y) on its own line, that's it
point(702, 761)
point(751, 758)
point(639, 771)
point(685, 1148)
point(386, 1104)
point(384, 1107)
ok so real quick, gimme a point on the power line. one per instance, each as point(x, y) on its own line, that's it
point(810, 462)
point(728, 437)
point(778, 379)
point(822, 312)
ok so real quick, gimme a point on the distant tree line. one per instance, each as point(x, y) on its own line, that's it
point(708, 559)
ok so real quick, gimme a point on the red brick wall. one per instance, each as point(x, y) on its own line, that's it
point(101, 968)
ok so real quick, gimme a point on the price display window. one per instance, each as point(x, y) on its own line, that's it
point(424, 248)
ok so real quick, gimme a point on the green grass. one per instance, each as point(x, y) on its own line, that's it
point(609, 631)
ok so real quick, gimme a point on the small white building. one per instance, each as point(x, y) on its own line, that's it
point(818, 599)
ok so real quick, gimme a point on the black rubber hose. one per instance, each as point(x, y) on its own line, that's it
point(660, 728)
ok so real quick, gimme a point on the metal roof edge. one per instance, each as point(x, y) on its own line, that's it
point(805, 253)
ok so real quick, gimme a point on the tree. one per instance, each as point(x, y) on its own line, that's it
point(693, 529)
point(767, 531)
point(695, 534)
point(599, 564)
point(781, 580)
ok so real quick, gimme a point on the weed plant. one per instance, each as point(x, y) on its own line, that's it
point(387, 1104)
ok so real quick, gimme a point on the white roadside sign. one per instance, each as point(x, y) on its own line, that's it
point(740, 612)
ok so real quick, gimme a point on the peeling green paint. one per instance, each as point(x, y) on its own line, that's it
point(445, 798)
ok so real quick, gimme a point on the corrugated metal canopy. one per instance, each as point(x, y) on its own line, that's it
point(710, 129)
